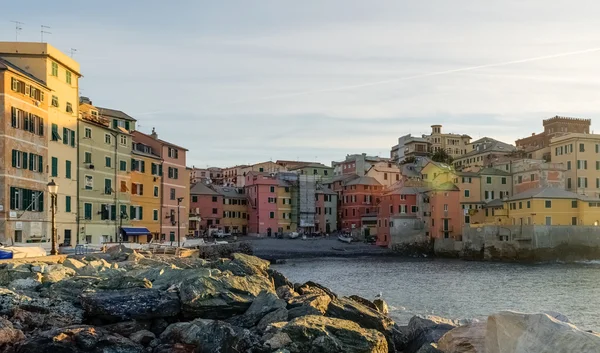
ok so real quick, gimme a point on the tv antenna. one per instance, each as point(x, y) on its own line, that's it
point(73, 51)
point(44, 31)
point(18, 29)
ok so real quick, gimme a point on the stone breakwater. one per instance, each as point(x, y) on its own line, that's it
point(125, 302)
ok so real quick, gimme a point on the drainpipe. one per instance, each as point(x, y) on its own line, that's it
point(78, 212)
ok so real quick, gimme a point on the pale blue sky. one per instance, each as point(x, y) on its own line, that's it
point(219, 77)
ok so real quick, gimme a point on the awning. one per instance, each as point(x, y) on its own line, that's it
point(135, 231)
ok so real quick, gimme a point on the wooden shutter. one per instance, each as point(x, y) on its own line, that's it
point(115, 123)
point(140, 213)
point(14, 158)
point(65, 135)
point(127, 125)
point(72, 138)
point(54, 166)
point(24, 163)
point(13, 117)
point(113, 212)
point(131, 212)
point(141, 189)
point(41, 126)
point(40, 164)
point(31, 161)
point(160, 170)
point(68, 169)
point(13, 199)
point(143, 167)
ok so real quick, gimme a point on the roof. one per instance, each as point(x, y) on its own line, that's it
point(467, 174)
point(365, 180)
point(149, 155)
point(493, 171)
point(162, 141)
point(284, 183)
point(326, 191)
point(114, 113)
point(409, 170)
point(489, 144)
point(494, 203)
point(549, 193)
point(310, 165)
point(448, 186)
point(410, 190)
point(342, 177)
point(201, 189)
point(12, 67)
point(229, 192)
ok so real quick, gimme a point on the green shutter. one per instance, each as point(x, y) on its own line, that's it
point(67, 203)
point(123, 210)
point(87, 211)
point(12, 198)
point(31, 161)
point(160, 170)
point(54, 166)
point(131, 212)
point(72, 138)
point(24, 163)
point(40, 164)
point(14, 158)
point(141, 212)
point(115, 123)
point(127, 125)
point(26, 199)
point(65, 135)
point(153, 169)
point(68, 169)
point(143, 167)
point(113, 212)
point(40, 201)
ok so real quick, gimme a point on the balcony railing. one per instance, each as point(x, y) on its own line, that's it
point(447, 229)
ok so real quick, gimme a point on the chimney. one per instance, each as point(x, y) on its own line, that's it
point(154, 134)
point(84, 100)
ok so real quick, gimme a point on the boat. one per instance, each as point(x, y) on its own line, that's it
point(345, 239)
point(293, 235)
point(20, 252)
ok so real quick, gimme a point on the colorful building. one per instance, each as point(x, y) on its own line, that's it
point(207, 203)
point(455, 145)
point(446, 217)
point(261, 191)
point(175, 186)
point(235, 209)
point(537, 146)
point(359, 199)
point(61, 75)
point(495, 184)
point(286, 223)
point(580, 154)
point(410, 147)
point(533, 174)
point(326, 210)
point(483, 152)
point(24, 145)
point(319, 170)
point(399, 214)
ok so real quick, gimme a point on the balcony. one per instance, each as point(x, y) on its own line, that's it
point(447, 229)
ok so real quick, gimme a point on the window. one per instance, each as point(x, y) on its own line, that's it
point(54, 169)
point(568, 165)
point(503, 180)
point(467, 193)
point(520, 205)
point(107, 139)
point(54, 69)
point(107, 186)
point(574, 204)
point(173, 173)
point(214, 211)
point(384, 176)
point(69, 108)
point(271, 214)
point(597, 165)
point(519, 179)
point(156, 191)
point(54, 102)
point(88, 133)
point(123, 166)
point(24, 199)
point(581, 164)
point(272, 189)
point(446, 207)
point(528, 204)
point(581, 147)
point(582, 183)
point(123, 140)
point(548, 203)
point(67, 203)
point(548, 221)
point(172, 194)
point(488, 180)
point(108, 162)
point(569, 183)
point(173, 153)
point(532, 177)
point(68, 169)
point(87, 157)
point(155, 215)
point(573, 221)
point(68, 137)
point(325, 172)
point(87, 211)
point(68, 76)
point(89, 182)
point(487, 194)
point(414, 209)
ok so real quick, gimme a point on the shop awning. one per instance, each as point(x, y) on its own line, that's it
point(135, 231)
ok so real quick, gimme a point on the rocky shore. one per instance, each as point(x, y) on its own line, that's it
point(125, 302)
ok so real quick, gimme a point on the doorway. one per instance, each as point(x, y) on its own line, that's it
point(67, 237)
point(446, 228)
point(18, 236)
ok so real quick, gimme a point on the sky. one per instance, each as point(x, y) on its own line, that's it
point(238, 81)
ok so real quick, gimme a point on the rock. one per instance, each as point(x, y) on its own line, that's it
point(399, 335)
point(10, 301)
point(364, 302)
point(46, 313)
point(124, 282)
point(210, 336)
point(8, 334)
point(71, 288)
point(510, 332)
point(286, 292)
point(39, 267)
point(277, 341)
point(422, 331)
point(13, 272)
point(323, 334)
point(158, 326)
point(175, 348)
point(278, 315)
point(242, 264)
point(24, 284)
point(429, 348)
point(318, 301)
point(382, 306)
point(558, 316)
point(303, 310)
point(142, 337)
point(128, 304)
point(311, 287)
point(95, 268)
point(279, 279)
point(127, 328)
point(135, 257)
point(263, 304)
point(170, 276)
point(464, 339)
point(77, 339)
point(119, 252)
point(222, 296)
point(56, 273)
point(73, 264)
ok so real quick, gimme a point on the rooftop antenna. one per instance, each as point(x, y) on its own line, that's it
point(73, 51)
point(44, 30)
point(18, 29)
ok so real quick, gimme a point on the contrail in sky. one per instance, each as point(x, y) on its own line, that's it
point(429, 74)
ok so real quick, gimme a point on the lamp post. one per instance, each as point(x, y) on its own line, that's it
point(179, 199)
point(53, 190)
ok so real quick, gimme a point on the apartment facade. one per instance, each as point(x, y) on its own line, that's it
point(103, 176)
point(261, 190)
point(286, 223)
point(410, 147)
point(446, 217)
point(495, 184)
point(454, 144)
point(326, 210)
point(580, 154)
point(175, 186)
point(235, 210)
point(537, 146)
point(360, 198)
point(208, 204)
point(316, 169)
point(61, 75)
point(483, 152)
point(145, 189)
point(24, 156)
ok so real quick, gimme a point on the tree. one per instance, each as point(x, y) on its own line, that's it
point(409, 160)
point(441, 156)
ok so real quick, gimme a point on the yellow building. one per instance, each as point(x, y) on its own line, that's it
point(285, 223)
point(145, 191)
point(580, 154)
point(454, 144)
point(552, 206)
point(235, 210)
point(61, 74)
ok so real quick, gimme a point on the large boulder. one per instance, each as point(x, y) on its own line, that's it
point(76, 339)
point(12, 272)
point(242, 264)
point(278, 315)
point(56, 273)
point(73, 264)
point(46, 313)
point(210, 336)
point(279, 279)
point(286, 292)
point(10, 301)
point(322, 334)
point(71, 288)
point(128, 304)
point(119, 252)
point(124, 282)
point(127, 328)
point(143, 337)
point(318, 301)
point(422, 331)
point(265, 303)
point(25, 284)
point(381, 306)
point(311, 287)
point(510, 332)
point(429, 348)
point(170, 276)
point(363, 301)
point(464, 339)
point(222, 296)
point(8, 334)
point(303, 310)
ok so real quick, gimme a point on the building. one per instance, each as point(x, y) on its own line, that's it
point(580, 154)
point(24, 201)
point(409, 147)
point(399, 214)
point(358, 164)
point(553, 206)
point(537, 146)
point(534, 174)
point(261, 190)
point(61, 75)
point(199, 175)
point(326, 210)
point(233, 176)
point(469, 184)
point(235, 209)
point(446, 217)
point(455, 145)
point(216, 175)
point(207, 203)
point(483, 152)
point(495, 184)
point(286, 223)
point(103, 176)
point(385, 172)
point(145, 189)
point(174, 187)
point(359, 198)
point(117, 118)
point(316, 169)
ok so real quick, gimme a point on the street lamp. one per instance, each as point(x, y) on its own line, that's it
point(179, 199)
point(53, 190)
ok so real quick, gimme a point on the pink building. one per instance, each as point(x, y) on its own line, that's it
point(175, 185)
point(446, 213)
point(261, 189)
point(208, 205)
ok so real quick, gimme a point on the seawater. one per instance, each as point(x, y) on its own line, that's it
point(460, 289)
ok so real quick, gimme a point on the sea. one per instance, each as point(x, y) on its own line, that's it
point(459, 289)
